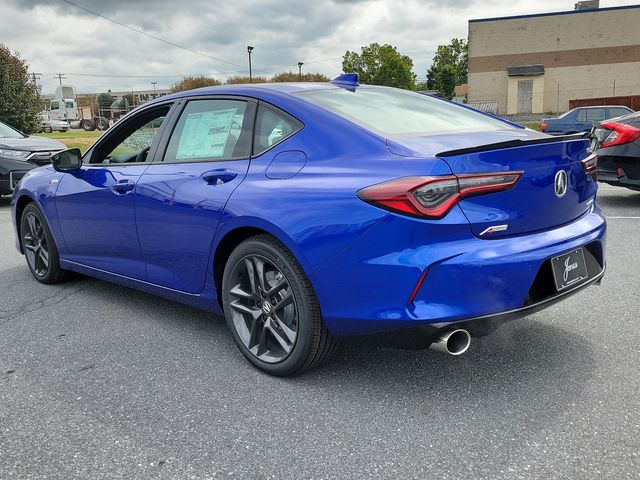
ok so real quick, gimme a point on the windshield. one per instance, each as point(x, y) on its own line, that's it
point(391, 111)
point(7, 132)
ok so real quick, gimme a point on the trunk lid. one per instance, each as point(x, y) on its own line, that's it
point(532, 204)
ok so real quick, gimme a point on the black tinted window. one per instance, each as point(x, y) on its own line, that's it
point(272, 128)
point(210, 130)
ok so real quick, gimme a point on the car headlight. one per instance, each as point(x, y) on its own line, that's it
point(14, 154)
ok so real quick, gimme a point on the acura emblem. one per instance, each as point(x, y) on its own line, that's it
point(560, 183)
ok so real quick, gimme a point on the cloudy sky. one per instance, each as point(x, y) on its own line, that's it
point(96, 54)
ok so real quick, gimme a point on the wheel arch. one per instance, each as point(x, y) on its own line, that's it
point(21, 204)
point(230, 236)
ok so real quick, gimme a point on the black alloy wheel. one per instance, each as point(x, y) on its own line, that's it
point(271, 309)
point(263, 309)
point(39, 247)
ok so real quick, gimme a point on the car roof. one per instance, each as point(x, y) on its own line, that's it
point(251, 89)
point(602, 106)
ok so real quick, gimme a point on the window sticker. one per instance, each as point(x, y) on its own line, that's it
point(205, 134)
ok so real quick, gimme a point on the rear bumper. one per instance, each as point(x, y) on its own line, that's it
point(467, 280)
point(420, 337)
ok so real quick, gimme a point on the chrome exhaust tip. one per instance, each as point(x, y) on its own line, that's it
point(453, 342)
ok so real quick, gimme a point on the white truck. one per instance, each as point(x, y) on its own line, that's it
point(64, 106)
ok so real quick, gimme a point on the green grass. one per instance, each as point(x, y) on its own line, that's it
point(65, 135)
point(82, 140)
point(533, 125)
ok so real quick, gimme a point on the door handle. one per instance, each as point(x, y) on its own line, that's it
point(221, 175)
point(123, 187)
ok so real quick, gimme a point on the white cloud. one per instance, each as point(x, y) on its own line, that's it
point(54, 36)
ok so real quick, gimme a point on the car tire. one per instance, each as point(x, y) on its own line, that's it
point(39, 247)
point(48, 129)
point(272, 310)
point(88, 125)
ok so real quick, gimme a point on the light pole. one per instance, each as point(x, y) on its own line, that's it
point(300, 70)
point(154, 88)
point(249, 50)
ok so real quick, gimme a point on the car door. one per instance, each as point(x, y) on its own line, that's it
point(182, 195)
point(96, 204)
point(582, 122)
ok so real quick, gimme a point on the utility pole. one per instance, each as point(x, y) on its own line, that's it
point(249, 50)
point(154, 88)
point(35, 77)
point(300, 70)
point(558, 100)
point(59, 76)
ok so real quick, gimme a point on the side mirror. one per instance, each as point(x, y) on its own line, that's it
point(68, 160)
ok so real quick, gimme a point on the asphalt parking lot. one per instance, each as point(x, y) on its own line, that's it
point(98, 381)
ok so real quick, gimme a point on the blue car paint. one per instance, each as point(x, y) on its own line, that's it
point(363, 262)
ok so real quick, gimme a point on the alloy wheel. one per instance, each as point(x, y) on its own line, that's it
point(263, 309)
point(36, 247)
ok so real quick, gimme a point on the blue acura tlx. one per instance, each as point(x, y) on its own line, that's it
point(305, 212)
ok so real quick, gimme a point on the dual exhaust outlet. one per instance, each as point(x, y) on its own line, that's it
point(453, 342)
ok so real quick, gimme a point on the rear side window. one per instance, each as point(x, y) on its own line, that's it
point(617, 112)
point(272, 127)
point(210, 130)
point(391, 111)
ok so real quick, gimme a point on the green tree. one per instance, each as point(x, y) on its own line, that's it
point(20, 103)
point(189, 83)
point(237, 79)
point(295, 77)
point(380, 65)
point(449, 60)
point(445, 81)
point(105, 100)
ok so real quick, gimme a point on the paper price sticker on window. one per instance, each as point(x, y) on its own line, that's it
point(205, 134)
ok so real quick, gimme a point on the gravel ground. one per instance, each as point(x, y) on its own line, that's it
point(98, 381)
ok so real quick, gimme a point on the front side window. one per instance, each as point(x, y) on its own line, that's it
point(272, 128)
point(392, 111)
point(130, 141)
point(210, 130)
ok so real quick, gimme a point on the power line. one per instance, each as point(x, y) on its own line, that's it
point(149, 35)
point(60, 77)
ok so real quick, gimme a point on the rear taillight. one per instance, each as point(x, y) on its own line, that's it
point(543, 126)
point(433, 197)
point(621, 133)
point(590, 164)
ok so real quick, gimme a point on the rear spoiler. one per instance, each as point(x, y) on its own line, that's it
point(513, 143)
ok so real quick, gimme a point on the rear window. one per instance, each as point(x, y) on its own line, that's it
point(618, 112)
point(394, 112)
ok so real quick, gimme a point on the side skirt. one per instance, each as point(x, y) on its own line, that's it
point(207, 300)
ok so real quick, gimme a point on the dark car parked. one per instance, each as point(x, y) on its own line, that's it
point(20, 153)
point(618, 148)
point(581, 119)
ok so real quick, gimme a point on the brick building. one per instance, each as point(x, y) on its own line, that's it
point(538, 63)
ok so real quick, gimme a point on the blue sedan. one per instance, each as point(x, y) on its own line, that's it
point(581, 119)
point(305, 212)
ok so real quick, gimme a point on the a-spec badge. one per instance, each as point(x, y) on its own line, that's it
point(494, 228)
